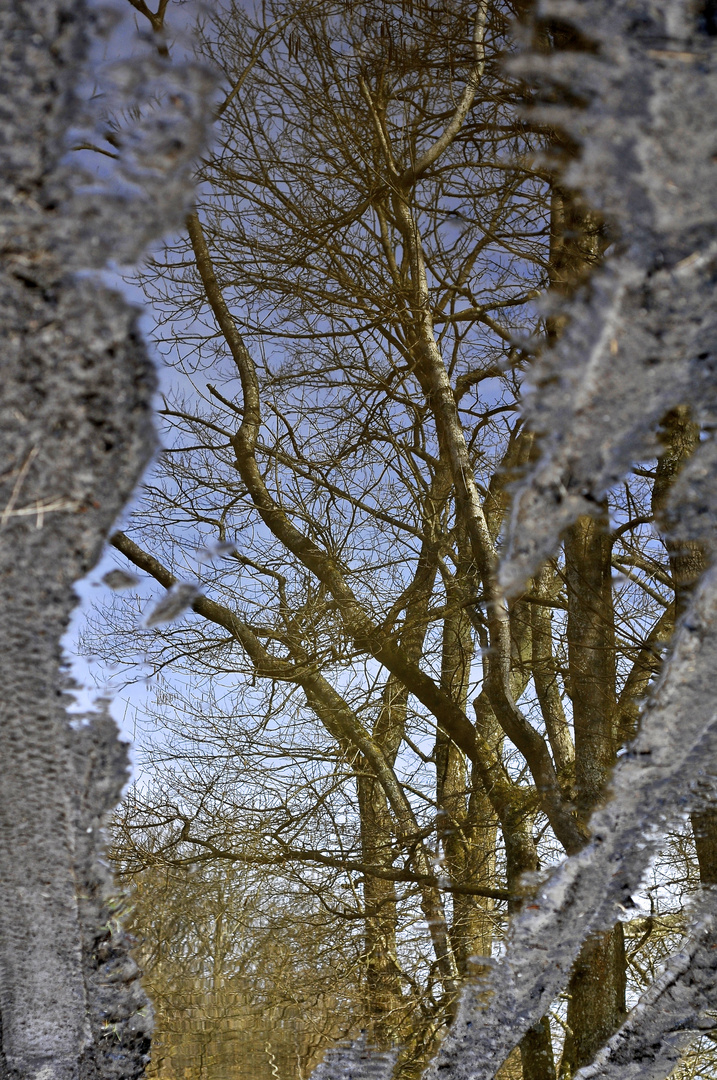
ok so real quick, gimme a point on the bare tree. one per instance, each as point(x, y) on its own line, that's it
point(373, 231)
point(246, 977)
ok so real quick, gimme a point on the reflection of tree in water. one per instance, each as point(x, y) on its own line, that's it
point(372, 758)
point(369, 452)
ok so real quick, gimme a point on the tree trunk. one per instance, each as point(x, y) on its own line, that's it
point(596, 1006)
point(680, 438)
point(466, 824)
point(382, 973)
point(596, 992)
point(536, 1052)
point(385, 1012)
point(688, 561)
point(591, 658)
point(536, 1047)
point(704, 827)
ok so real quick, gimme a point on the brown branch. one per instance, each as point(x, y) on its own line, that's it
point(349, 865)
